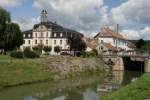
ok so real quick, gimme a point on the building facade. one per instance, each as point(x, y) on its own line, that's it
point(110, 40)
point(48, 33)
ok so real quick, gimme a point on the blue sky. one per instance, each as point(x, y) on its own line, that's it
point(86, 16)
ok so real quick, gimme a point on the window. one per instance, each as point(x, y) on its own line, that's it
point(35, 41)
point(23, 41)
point(41, 42)
point(35, 34)
point(102, 41)
point(61, 35)
point(41, 34)
point(54, 41)
point(60, 41)
point(29, 35)
point(28, 41)
point(47, 34)
point(55, 35)
point(46, 41)
point(114, 41)
point(24, 35)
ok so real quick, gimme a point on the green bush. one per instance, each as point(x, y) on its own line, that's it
point(38, 49)
point(47, 49)
point(92, 53)
point(30, 54)
point(16, 54)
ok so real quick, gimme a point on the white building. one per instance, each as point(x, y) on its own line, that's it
point(47, 33)
point(111, 40)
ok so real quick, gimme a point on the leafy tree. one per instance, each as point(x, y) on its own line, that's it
point(77, 43)
point(140, 43)
point(47, 49)
point(10, 34)
point(57, 49)
point(4, 19)
point(13, 37)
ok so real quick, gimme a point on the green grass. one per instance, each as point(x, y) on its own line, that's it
point(138, 90)
point(21, 71)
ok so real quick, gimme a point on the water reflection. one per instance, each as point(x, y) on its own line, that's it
point(83, 88)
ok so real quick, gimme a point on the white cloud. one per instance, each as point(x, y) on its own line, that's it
point(10, 3)
point(132, 10)
point(89, 16)
point(134, 34)
point(26, 23)
point(82, 15)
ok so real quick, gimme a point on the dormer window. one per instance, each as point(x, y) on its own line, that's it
point(24, 35)
point(29, 35)
point(61, 34)
point(55, 35)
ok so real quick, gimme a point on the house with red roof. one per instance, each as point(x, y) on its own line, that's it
point(109, 40)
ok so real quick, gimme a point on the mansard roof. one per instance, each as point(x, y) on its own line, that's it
point(27, 34)
point(56, 29)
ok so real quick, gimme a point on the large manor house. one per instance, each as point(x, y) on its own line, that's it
point(47, 33)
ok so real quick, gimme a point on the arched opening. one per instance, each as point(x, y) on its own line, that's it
point(133, 65)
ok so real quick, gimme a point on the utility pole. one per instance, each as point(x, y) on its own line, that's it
point(117, 34)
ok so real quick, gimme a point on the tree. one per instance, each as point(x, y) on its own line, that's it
point(10, 34)
point(47, 49)
point(140, 43)
point(4, 19)
point(76, 43)
point(57, 49)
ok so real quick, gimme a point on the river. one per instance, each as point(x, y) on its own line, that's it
point(79, 88)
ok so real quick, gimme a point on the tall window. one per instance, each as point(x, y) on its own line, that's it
point(61, 42)
point(46, 41)
point(28, 41)
point(35, 41)
point(54, 41)
point(35, 34)
point(41, 34)
point(41, 42)
point(23, 41)
point(47, 34)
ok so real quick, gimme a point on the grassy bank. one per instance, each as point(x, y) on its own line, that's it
point(138, 90)
point(21, 71)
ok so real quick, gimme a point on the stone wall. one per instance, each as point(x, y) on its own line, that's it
point(64, 66)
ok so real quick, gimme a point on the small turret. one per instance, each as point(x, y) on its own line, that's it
point(44, 16)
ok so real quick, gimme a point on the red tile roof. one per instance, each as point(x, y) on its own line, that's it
point(109, 46)
point(107, 32)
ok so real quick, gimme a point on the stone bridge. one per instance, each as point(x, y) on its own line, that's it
point(129, 62)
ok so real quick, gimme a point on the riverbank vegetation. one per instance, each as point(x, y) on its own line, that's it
point(23, 71)
point(138, 90)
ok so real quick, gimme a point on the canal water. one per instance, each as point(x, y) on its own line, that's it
point(79, 88)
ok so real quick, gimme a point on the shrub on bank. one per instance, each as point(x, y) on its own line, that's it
point(30, 54)
point(38, 49)
point(92, 53)
point(16, 54)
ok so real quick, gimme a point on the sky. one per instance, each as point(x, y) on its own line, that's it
point(85, 16)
